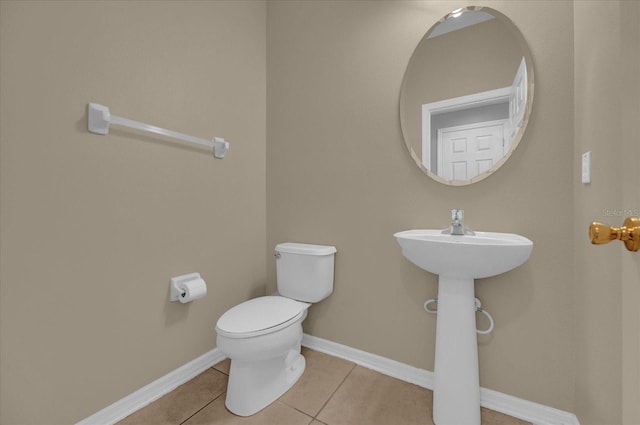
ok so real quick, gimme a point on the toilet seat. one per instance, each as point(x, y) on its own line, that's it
point(260, 316)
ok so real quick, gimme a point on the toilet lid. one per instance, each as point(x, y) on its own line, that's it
point(258, 315)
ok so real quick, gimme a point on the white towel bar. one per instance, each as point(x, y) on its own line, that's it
point(100, 118)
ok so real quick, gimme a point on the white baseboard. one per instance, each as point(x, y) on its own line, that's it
point(149, 393)
point(404, 372)
point(536, 413)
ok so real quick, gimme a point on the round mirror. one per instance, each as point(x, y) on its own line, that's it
point(466, 95)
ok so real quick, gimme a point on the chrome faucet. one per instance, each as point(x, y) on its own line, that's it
point(457, 224)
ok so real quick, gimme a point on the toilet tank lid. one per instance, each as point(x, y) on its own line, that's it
point(305, 249)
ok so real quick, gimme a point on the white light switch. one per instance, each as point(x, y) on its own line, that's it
point(586, 167)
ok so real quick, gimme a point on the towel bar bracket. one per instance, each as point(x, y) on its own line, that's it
point(99, 119)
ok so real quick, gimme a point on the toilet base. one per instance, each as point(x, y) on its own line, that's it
point(255, 385)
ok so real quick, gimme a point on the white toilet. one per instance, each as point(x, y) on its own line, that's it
point(262, 336)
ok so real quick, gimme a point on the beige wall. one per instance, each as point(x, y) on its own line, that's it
point(630, 111)
point(598, 335)
point(607, 294)
point(93, 227)
point(338, 173)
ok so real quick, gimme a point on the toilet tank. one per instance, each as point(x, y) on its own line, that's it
point(304, 271)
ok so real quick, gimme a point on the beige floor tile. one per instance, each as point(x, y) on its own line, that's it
point(367, 397)
point(275, 414)
point(181, 403)
point(323, 374)
point(223, 366)
point(491, 417)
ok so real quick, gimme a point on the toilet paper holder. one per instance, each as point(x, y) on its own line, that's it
point(176, 290)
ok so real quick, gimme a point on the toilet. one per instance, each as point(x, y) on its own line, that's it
point(262, 336)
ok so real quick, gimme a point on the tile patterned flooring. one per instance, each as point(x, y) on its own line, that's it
point(332, 391)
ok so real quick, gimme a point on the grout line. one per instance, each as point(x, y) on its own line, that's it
point(218, 370)
point(295, 408)
point(208, 403)
point(333, 393)
point(203, 407)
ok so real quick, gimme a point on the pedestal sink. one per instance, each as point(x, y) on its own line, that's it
point(458, 260)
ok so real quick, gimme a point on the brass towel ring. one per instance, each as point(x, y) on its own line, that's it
point(629, 233)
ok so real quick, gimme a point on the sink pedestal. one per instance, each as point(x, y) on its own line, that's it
point(456, 394)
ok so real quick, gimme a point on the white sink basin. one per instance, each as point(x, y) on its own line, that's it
point(464, 256)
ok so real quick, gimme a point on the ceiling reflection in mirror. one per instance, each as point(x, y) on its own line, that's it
point(466, 96)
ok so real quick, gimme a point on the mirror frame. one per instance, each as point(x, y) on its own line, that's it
point(526, 53)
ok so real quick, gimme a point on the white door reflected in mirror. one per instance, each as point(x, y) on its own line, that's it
point(466, 151)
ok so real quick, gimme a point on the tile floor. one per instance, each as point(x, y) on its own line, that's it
point(331, 391)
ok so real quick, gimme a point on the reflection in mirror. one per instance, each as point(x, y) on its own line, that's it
point(466, 96)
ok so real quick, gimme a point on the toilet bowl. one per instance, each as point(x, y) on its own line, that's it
point(262, 336)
